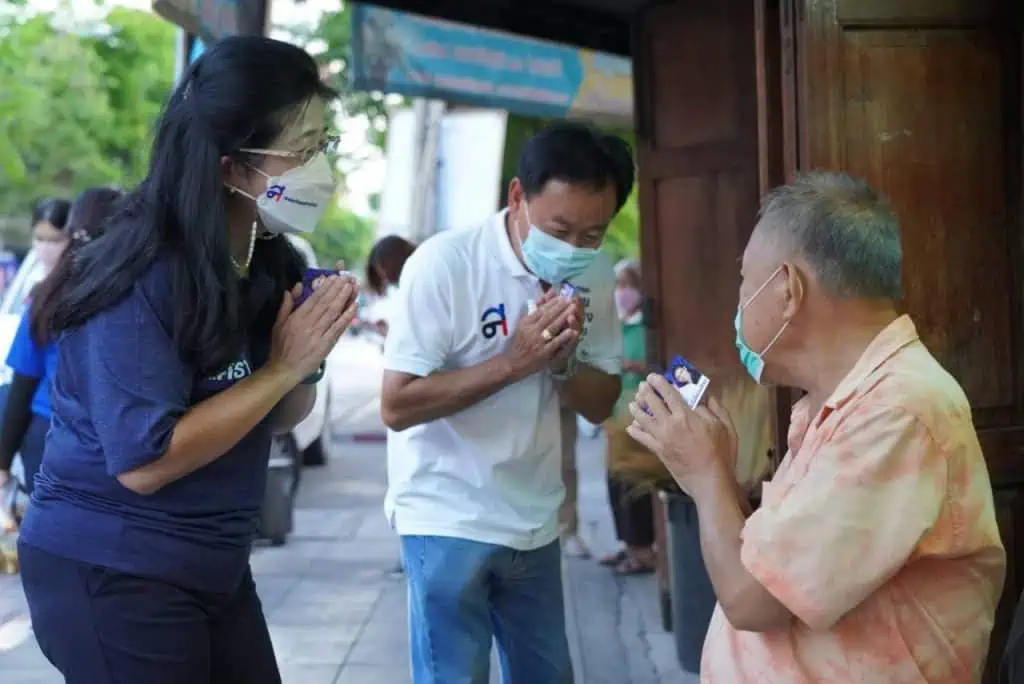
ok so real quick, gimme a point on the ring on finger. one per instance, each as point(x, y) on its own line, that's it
point(546, 334)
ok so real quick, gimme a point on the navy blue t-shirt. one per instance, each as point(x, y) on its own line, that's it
point(120, 388)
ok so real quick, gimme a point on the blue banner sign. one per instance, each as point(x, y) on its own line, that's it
point(413, 55)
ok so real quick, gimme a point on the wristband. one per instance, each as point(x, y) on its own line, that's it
point(317, 376)
point(570, 370)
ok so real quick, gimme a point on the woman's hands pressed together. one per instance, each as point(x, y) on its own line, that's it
point(303, 336)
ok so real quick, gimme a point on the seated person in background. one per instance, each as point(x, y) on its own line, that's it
point(875, 555)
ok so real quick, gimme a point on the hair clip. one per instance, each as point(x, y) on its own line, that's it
point(187, 91)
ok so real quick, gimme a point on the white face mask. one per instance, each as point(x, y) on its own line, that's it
point(48, 252)
point(295, 201)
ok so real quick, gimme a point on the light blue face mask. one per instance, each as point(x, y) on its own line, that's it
point(551, 259)
point(753, 361)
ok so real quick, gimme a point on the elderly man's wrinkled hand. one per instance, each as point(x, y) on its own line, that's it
point(691, 443)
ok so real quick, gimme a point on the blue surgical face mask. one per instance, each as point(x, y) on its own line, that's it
point(551, 259)
point(753, 361)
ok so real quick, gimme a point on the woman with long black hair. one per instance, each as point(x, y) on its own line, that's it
point(181, 351)
point(384, 267)
point(33, 353)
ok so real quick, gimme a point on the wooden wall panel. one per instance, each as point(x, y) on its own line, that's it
point(698, 79)
point(923, 99)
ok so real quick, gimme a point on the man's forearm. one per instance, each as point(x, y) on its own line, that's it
point(590, 393)
point(722, 515)
point(409, 402)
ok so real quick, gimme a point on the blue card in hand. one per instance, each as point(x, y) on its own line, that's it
point(691, 383)
point(312, 279)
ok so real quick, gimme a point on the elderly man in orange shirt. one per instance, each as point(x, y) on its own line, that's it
point(875, 555)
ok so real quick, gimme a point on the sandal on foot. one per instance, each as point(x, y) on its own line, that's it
point(614, 559)
point(633, 566)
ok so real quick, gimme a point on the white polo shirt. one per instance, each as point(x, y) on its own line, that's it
point(490, 473)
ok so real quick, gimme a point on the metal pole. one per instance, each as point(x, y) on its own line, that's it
point(423, 211)
point(182, 46)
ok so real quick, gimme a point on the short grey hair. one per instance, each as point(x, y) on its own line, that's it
point(844, 229)
point(631, 265)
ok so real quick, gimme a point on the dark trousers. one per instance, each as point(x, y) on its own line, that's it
point(99, 626)
point(1011, 670)
point(31, 450)
point(633, 514)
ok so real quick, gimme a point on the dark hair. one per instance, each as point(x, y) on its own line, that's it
point(85, 222)
point(240, 93)
point(578, 154)
point(390, 254)
point(53, 210)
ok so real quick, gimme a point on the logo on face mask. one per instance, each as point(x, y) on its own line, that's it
point(494, 320)
point(309, 188)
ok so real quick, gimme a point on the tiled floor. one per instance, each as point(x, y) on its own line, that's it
point(337, 616)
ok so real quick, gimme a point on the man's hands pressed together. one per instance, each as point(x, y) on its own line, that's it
point(699, 447)
point(545, 336)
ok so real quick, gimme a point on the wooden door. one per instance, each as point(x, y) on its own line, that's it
point(923, 99)
point(699, 76)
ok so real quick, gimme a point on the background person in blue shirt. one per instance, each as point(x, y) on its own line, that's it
point(33, 354)
point(180, 353)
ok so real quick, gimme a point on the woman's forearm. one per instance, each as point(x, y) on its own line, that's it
point(17, 417)
point(212, 427)
point(293, 409)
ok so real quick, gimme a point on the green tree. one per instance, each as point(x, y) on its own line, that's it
point(137, 52)
point(78, 104)
point(623, 237)
point(342, 235)
point(52, 109)
point(330, 42)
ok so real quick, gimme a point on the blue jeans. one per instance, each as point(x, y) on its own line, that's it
point(463, 594)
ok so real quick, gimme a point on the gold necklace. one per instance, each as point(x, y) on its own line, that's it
point(244, 270)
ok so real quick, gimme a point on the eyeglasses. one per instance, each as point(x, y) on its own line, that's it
point(327, 146)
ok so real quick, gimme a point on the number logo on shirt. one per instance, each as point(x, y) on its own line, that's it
point(494, 320)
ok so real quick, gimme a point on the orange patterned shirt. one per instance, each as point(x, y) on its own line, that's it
point(878, 533)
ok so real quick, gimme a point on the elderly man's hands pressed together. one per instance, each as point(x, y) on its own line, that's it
point(693, 444)
point(698, 447)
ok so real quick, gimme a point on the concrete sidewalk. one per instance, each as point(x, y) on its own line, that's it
point(337, 617)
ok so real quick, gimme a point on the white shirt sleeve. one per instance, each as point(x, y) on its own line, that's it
point(601, 346)
point(419, 335)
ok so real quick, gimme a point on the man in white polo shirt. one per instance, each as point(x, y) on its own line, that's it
point(471, 392)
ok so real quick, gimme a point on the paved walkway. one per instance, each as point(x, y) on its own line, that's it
point(337, 617)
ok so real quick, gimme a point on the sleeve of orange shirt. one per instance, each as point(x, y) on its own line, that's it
point(871, 493)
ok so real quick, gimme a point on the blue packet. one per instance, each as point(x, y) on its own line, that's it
point(691, 383)
point(311, 280)
point(566, 290)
